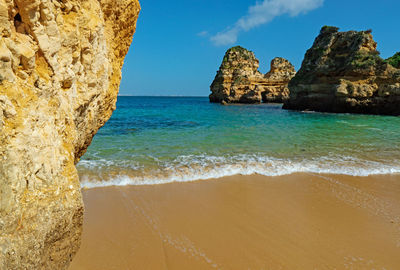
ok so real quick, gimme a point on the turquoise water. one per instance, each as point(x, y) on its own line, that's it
point(153, 140)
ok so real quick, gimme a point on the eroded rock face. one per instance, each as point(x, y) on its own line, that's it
point(60, 69)
point(275, 87)
point(239, 81)
point(343, 72)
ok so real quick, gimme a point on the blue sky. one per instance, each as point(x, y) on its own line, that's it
point(179, 45)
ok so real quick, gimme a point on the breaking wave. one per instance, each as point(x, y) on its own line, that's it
point(103, 173)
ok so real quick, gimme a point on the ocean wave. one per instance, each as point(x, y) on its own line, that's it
point(201, 167)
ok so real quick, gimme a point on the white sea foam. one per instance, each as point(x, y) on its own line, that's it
point(202, 167)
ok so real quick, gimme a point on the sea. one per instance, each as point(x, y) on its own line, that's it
point(156, 140)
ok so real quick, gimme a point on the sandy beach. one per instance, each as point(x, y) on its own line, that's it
point(300, 221)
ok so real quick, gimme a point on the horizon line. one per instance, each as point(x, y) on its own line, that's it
point(157, 96)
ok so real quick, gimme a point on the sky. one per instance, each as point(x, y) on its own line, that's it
point(179, 45)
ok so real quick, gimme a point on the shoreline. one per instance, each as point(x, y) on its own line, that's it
point(127, 181)
point(298, 221)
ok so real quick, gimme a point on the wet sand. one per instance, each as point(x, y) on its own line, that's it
point(300, 221)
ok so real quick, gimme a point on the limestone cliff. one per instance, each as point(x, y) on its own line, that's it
point(60, 68)
point(274, 88)
point(239, 81)
point(343, 72)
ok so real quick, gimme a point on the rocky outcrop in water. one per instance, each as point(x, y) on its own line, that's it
point(275, 87)
point(343, 72)
point(60, 69)
point(239, 81)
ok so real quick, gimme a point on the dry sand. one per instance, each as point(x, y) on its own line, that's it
point(301, 221)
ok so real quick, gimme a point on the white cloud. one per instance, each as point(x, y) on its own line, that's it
point(262, 13)
point(202, 34)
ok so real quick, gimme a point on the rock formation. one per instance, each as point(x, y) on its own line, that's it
point(343, 72)
point(239, 81)
point(275, 87)
point(60, 68)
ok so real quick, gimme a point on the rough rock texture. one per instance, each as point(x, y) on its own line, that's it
point(275, 87)
point(343, 72)
point(239, 81)
point(60, 68)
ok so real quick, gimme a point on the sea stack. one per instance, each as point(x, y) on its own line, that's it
point(275, 87)
point(239, 81)
point(342, 72)
point(60, 69)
